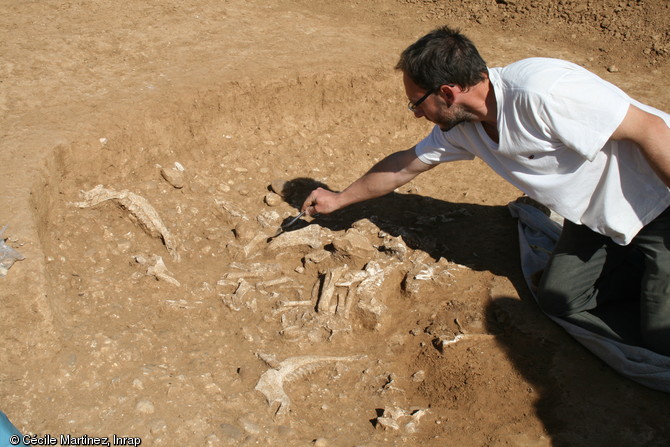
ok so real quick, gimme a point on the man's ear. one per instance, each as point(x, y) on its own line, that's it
point(448, 92)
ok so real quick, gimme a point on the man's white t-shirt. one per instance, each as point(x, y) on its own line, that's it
point(555, 120)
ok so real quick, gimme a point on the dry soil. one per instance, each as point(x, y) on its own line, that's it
point(447, 349)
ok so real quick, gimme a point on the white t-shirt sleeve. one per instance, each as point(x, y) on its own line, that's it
point(584, 114)
point(437, 148)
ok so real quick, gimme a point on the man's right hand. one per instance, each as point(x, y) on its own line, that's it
point(321, 201)
point(393, 171)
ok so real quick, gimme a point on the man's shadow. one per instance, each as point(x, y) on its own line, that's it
point(479, 236)
point(582, 402)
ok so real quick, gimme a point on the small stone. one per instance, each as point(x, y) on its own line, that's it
point(356, 245)
point(419, 376)
point(613, 69)
point(321, 442)
point(317, 256)
point(277, 186)
point(272, 199)
point(174, 177)
point(145, 406)
point(212, 440)
point(249, 426)
point(157, 426)
point(231, 432)
point(245, 231)
point(387, 423)
point(286, 432)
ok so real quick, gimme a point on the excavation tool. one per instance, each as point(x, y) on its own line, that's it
point(287, 225)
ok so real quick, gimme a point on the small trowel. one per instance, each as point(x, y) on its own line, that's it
point(287, 225)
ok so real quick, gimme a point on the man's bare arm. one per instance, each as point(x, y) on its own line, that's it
point(652, 136)
point(390, 173)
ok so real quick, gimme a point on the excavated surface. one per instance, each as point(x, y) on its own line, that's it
point(155, 310)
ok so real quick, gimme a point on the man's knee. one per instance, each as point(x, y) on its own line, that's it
point(554, 303)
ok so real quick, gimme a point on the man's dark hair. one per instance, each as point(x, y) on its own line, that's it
point(443, 56)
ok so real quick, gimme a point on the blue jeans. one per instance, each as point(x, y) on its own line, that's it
point(626, 287)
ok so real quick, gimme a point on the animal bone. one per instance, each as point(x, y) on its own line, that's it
point(231, 209)
point(289, 303)
point(271, 383)
point(140, 211)
point(325, 300)
point(160, 271)
point(393, 417)
point(312, 235)
point(235, 301)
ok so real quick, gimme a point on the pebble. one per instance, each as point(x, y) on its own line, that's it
point(157, 426)
point(212, 440)
point(273, 199)
point(418, 376)
point(249, 426)
point(613, 69)
point(174, 177)
point(286, 432)
point(277, 186)
point(145, 406)
point(245, 231)
point(231, 432)
point(321, 442)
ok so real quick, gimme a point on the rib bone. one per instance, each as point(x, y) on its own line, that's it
point(271, 383)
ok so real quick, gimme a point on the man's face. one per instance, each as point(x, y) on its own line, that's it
point(439, 108)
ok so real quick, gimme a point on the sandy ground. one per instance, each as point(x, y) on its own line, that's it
point(401, 321)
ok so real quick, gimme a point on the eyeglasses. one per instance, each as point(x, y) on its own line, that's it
point(413, 105)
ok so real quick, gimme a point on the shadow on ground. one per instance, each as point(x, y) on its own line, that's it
point(576, 403)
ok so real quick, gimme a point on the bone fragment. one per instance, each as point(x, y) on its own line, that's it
point(271, 383)
point(255, 268)
point(288, 303)
point(274, 282)
point(394, 417)
point(238, 297)
point(231, 209)
point(312, 235)
point(251, 246)
point(325, 304)
point(442, 343)
point(140, 211)
point(160, 271)
point(349, 298)
point(370, 296)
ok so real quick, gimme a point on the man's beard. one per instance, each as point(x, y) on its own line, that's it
point(458, 116)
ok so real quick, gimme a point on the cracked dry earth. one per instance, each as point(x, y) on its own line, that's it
point(150, 153)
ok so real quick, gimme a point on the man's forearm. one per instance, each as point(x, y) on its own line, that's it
point(392, 172)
